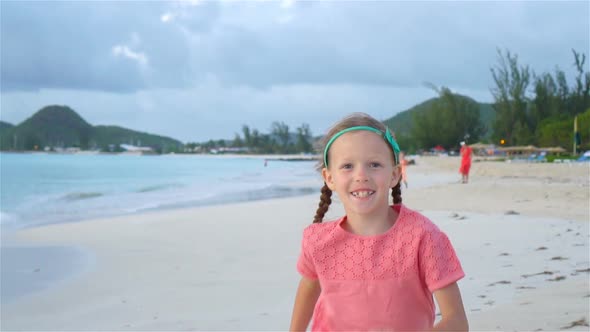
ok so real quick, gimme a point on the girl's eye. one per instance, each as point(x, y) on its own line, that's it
point(375, 165)
point(346, 166)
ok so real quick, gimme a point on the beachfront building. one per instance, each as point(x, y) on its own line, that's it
point(515, 151)
point(530, 152)
point(481, 149)
point(132, 149)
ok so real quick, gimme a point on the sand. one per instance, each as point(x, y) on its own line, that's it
point(520, 230)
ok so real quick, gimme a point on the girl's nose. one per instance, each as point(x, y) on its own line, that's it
point(361, 174)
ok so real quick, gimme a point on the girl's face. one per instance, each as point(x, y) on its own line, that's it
point(361, 172)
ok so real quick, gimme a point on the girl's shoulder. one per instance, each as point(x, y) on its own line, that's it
point(320, 229)
point(417, 221)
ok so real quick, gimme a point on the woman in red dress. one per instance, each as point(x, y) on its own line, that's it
point(465, 162)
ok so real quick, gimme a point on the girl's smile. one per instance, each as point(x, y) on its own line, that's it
point(362, 193)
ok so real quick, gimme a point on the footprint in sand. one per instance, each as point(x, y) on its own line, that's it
point(575, 273)
point(537, 274)
point(558, 258)
point(557, 278)
point(457, 216)
point(580, 322)
point(502, 282)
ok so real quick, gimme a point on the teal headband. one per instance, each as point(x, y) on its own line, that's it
point(387, 136)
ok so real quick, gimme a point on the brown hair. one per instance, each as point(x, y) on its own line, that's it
point(352, 120)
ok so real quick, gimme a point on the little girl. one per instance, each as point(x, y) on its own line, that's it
point(376, 268)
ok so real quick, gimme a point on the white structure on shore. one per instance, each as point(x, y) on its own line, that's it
point(133, 148)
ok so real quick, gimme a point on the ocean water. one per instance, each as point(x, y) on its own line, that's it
point(40, 189)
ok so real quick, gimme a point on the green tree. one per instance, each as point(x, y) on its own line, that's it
point(580, 98)
point(450, 119)
point(247, 136)
point(563, 91)
point(238, 143)
point(545, 103)
point(510, 100)
point(280, 131)
point(255, 141)
point(303, 139)
point(557, 131)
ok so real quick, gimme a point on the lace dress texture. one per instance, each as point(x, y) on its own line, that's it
point(382, 282)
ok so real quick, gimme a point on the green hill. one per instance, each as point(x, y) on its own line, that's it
point(106, 135)
point(402, 122)
point(60, 126)
point(5, 125)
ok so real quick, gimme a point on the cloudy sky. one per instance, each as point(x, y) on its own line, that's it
point(195, 70)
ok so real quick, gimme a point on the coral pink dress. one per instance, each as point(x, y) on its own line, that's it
point(378, 283)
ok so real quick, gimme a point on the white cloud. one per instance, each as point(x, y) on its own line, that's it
point(287, 3)
point(167, 17)
point(125, 51)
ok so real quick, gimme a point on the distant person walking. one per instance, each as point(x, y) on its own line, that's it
point(465, 162)
point(403, 164)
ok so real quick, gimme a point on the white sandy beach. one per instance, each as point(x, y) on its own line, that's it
point(520, 230)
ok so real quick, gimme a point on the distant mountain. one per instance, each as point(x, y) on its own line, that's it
point(402, 122)
point(5, 125)
point(60, 126)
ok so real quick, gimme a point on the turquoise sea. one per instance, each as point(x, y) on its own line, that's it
point(40, 189)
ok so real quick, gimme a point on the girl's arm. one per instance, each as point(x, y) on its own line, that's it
point(451, 309)
point(307, 295)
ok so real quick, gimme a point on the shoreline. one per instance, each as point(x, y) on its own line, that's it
point(232, 267)
point(183, 182)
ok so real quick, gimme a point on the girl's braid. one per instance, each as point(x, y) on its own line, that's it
point(396, 193)
point(325, 201)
